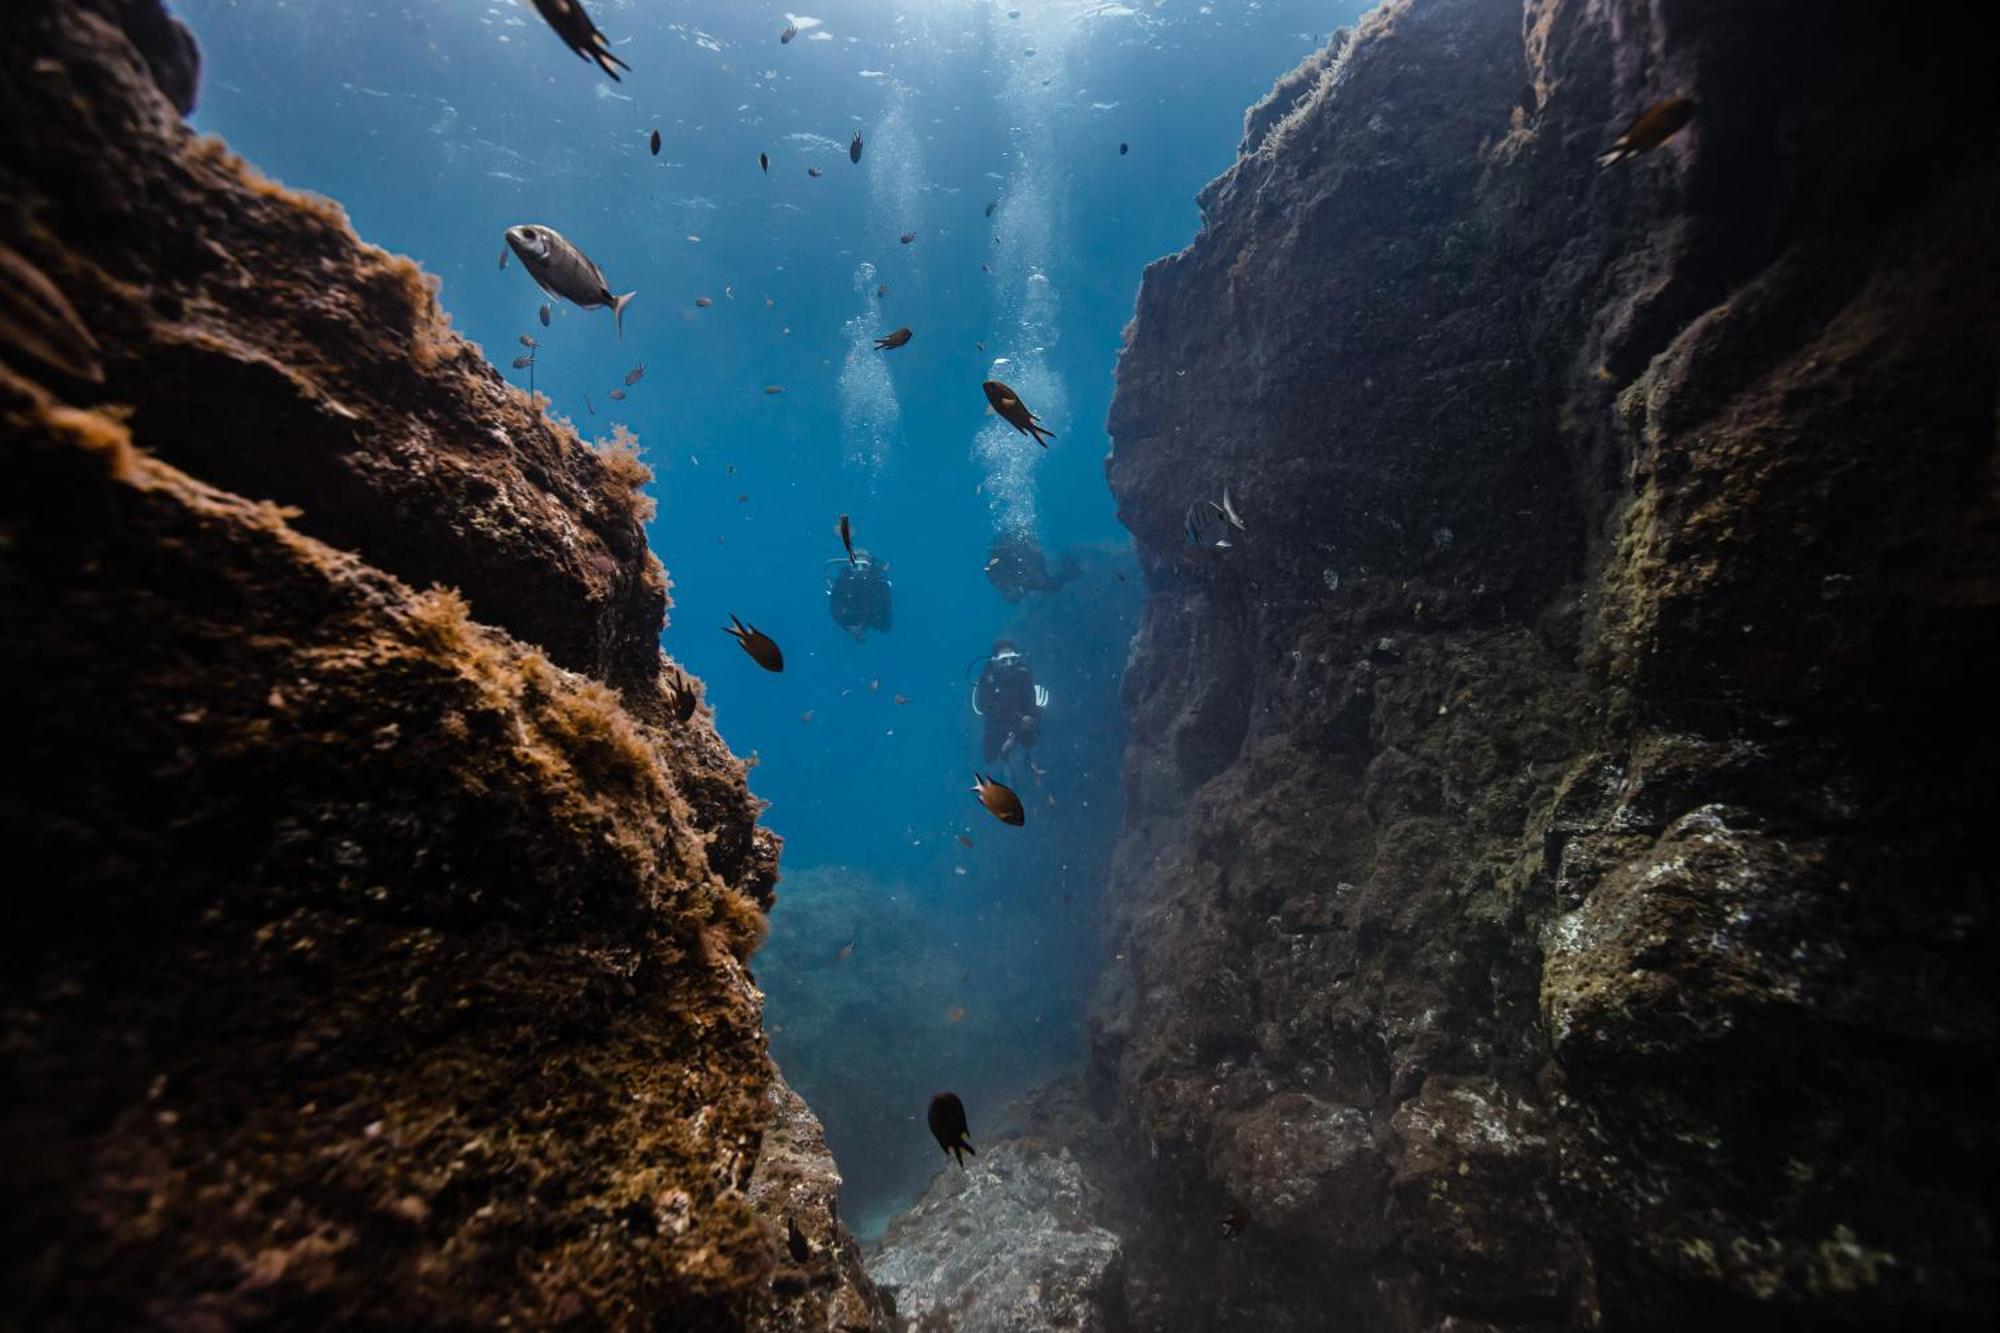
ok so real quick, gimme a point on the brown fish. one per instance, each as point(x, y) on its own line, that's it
point(846, 952)
point(795, 1243)
point(907, 237)
point(617, 395)
point(636, 373)
point(999, 800)
point(965, 840)
point(892, 340)
point(902, 699)
point(681, 697)
point(36, 318)
point(1649, 129)
point(1015, 412)
point(955, 1015)
point(762, 650)
point(847, 539)
point(580, 34)
point(703, 302)
point(949, 1127)
point(523, 361)
point(771, 390)
point(656, 143)
point(528, 341)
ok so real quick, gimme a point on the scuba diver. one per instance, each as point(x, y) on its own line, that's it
point(1009, 701)
point(1016, 566)
point(857, 594)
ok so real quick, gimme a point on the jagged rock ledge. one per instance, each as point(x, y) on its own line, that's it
point(1553, 890)
point(378, 944)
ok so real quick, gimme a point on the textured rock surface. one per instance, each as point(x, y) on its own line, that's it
point(1008, 1243)
point(1551, 887)
point(376, 951)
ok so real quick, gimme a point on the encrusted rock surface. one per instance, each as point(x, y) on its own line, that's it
point(1007, 1243)
point(376, 939)
point(1553, 889)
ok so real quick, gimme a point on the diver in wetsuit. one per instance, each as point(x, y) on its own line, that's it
point(1015, 566)
point(1009, 701)
point(858, 595)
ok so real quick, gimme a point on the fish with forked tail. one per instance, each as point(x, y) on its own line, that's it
point(760, 646)
point(1015, 412)
point(949, 1127)
point(893, 339)
point(999, 799)
point(565, 272)
point(580, 34)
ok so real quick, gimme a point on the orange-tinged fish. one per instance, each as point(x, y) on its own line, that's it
point(1015, 412)
point(617, 395)
point(892, 340)
point(955, 1014)
point(1649, 129)
point(771, 390)
point(846, 952)
point(763, 651)
point(636, 373)
point(999, 800)
point(703, 302)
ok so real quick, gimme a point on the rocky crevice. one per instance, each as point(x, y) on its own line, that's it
point(379, 944)
point(1550, 889)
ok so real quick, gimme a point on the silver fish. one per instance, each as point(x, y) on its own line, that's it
point(563, 271)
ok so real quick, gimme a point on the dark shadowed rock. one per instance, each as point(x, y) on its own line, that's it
point(377, 939)
point(1551, 889)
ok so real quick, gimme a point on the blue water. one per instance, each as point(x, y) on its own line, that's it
point(439, 123)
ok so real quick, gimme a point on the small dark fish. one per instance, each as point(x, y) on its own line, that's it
point(703, 302)
point(563, 271)
point(847, 539)
point(948, 1126)
point(1234, 1221)
point(655, 142)
point(588, 406)
point(985, 268)
point(764, 161)
point(1202, 518)
point(636, 373)
point(580, 34)
point(882, 292)
point(523, 361)
point(1015, 412)
point(892, 340)
point(528, 340)
point(681, 697)
point(796, 1243)
point(907, 237)
point(1649, 129)
point(762, 650)
point(772, 390)
point(854, 148)
point(814, 172)
point(965, 840)
point(901, 699)
point(992, 208)
point(543, 314)
point(785, 37)
point(617, 395)
point(1124, 148)
point(980, 346)
point(999, 800)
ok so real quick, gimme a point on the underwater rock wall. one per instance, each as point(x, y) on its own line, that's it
point(377, 933)
point(1553, 885)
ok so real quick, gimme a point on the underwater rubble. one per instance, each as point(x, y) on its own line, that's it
point(1551, 889)
point(378, 934)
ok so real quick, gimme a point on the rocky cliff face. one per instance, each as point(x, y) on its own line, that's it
point(378, 928)
point(1550, 891)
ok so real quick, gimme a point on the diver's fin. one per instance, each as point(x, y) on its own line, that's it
point(618, 304)
point(1041, 696)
